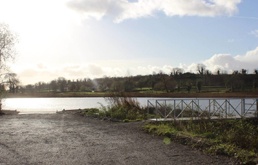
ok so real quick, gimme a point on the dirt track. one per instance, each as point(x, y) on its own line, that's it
point(71, 139)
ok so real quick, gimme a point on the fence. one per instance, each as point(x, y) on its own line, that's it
point(203, 108)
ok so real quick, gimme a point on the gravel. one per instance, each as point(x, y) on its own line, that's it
point(73, 139)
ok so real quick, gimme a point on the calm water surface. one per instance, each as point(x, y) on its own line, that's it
point(51, 105)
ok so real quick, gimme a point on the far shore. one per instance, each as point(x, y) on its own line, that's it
point(137, 94)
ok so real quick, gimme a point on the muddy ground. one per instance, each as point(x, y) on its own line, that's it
point(72, 139)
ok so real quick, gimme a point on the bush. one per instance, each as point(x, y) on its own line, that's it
point(123, 107)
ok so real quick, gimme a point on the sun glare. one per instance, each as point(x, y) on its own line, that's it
point(25, 104)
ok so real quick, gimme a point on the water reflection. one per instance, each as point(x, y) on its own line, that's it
point(50, 105)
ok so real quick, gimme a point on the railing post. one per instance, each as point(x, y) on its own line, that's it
point(182, 108)
point(165, 109)
point(174, 108)
point(192, 108)
point(226, 107)
point(209, 114)
point(198, 106)
point(156, 108)
point(242, 107)
point(148, 107)
point(256, 107)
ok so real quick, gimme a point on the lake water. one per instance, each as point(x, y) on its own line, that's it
point(51, 105)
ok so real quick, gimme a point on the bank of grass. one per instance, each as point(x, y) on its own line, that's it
point(236, 138)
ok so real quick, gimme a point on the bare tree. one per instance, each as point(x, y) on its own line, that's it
point(243, 71)
point(218, 71)
point(13, 81)
point(7, 51)
point(177, 71)
point(201, 68)
point(7, 43)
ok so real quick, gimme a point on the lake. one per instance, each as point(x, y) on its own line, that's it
point(51, 105)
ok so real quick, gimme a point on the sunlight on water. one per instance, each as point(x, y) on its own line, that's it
point(50, 105)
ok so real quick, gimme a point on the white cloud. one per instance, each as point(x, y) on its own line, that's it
point(251, 57)
point(230, 63)
point(97, 8)
point(95, 70)
point(225, 62)
point(200, 7)
point(222, 61)
point(120, 10)
point(39, 72)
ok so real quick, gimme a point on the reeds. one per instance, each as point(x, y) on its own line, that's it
point(124, 107)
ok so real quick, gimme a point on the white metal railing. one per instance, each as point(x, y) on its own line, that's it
point(203, 108)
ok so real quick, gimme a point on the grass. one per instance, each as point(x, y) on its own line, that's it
point(121, 108)
point(90, 112)
point(235, 138)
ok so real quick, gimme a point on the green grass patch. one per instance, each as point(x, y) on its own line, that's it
point(160, 129)
point(166, 140)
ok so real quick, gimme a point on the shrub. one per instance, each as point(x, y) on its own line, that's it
point(124, 107)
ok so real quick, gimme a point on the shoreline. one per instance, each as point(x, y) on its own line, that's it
point(136, 94)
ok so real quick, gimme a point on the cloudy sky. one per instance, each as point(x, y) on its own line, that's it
point(96, 38)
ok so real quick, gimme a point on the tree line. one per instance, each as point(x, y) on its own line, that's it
point(176, 81)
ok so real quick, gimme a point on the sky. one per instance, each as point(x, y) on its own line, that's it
point(78, 39)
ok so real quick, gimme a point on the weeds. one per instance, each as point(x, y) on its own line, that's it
point(90, 112)
point(236, 138)
point(125, 108)
point(122, 108)
point(166, 140)
point(160, 129)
